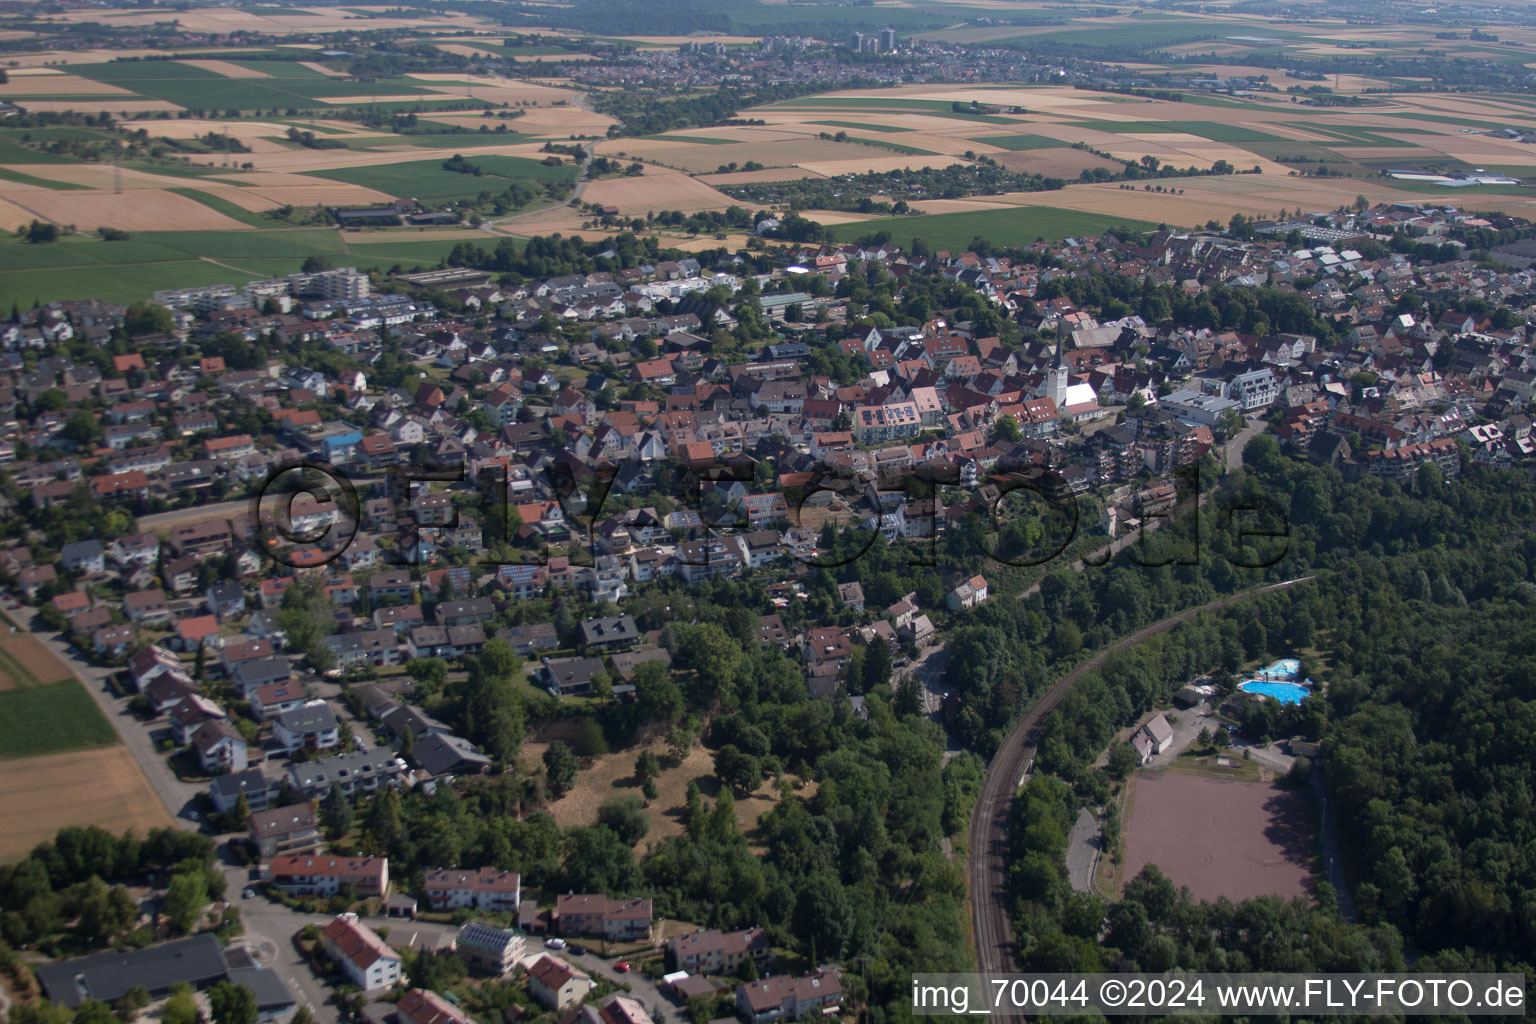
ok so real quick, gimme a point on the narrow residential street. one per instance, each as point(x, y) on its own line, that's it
point(269, 927)
point(175, 794)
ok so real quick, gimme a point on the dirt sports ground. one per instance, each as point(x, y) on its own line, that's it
point(1219, 837)
point(40, 795)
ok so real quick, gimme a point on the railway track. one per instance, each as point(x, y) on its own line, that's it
point(989, 820)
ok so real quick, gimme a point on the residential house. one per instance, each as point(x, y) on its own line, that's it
point(419, 1006)
point(220, 748)
point(556, 984)
point(786, 998)
point(319, 875)
point(311, 726)
point(365, 959)
point(486, 889)
point(598, 916)
point(710, 951)
point(494, 950)
point(356, 773)
point(289, 830)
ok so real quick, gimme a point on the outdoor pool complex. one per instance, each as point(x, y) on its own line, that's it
point(1279, 681)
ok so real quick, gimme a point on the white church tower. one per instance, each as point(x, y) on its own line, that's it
point(1054, 386)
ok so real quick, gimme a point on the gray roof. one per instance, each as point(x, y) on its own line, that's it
point(262, 670)
point(249, 781)
point(313, 717)
point(318, 775)
point(107, 976)
point(81, 549)
point(441, 754)
point(609, 629)
point(271, 993)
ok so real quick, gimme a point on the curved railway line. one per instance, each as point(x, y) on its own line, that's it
point(989, 819)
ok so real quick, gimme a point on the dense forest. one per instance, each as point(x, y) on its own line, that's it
point(1421, 612)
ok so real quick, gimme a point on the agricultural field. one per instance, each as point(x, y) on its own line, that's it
point(102, 787)
point(148, 262)
point(427, 180)
point(47, 718)
point(1005, 225)
point(232, 135)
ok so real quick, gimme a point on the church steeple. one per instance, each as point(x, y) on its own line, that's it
point(1054, 386)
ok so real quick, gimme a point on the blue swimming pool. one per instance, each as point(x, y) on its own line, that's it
point(1285, 693)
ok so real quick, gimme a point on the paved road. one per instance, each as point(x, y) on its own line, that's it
point(1083, 850)
point(989, 820)
point(1331, 853)
point(498, 227)
point(662, 1009)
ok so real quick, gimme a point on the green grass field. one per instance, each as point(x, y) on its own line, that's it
point(13, 152)
point(426, 179)
point(1216, 131)
point(22, 178)
point(700, 140)
point(82, 266)
point(1020, 142)
point(224, 206)
point(894, 146)
point(194, 88)
point(862, 127)
point(51, 718)
point(1017, 225)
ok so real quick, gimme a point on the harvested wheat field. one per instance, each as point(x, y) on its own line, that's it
point(771, 174)
point(324, 69)
point(492, 88)
point(304, 160)
point(130, 211)
point(461, 50)
point(832, 168)
point(99, 176)
point(32, 659)
point(562, 121)
point(110, 104)
point(1054, 163)
point(656, 192)
point(40, 795)
point(227, 69)
point(233, 19)
point(692, 156)
point(55, 83)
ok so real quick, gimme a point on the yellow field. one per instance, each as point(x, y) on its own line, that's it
point(145, 210)
point(40, 795)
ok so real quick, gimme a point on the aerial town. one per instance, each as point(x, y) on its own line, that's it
point(623, 515)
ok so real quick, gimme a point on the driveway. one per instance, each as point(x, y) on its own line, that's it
point(642, 988)
point(1083, 850)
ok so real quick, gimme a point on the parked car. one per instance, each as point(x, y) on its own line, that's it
point(578, 949)
point(622, 966)
point(554, 943)
point(249, 894)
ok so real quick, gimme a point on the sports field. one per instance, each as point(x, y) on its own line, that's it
point(1221, 838)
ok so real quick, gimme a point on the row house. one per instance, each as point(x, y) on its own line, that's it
point(486, 889)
